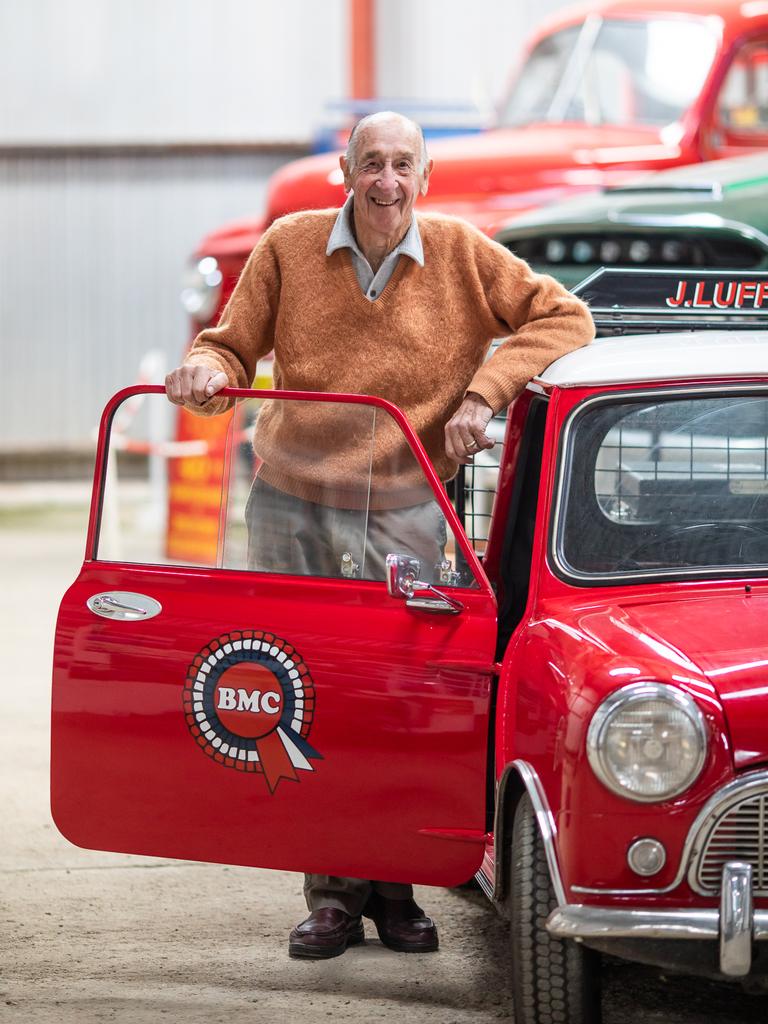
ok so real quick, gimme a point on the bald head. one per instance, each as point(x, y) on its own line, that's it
point(411, 131)
point(386, 168)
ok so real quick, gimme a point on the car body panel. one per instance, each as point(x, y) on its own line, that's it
point(724, 635)
point(720, 354)
point(128, 776)
point(563, 653)
point(391, 693)
point(574, 646)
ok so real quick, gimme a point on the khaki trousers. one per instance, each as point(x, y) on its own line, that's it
point(288, 534)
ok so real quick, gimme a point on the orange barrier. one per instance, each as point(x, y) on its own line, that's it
point(196, 483)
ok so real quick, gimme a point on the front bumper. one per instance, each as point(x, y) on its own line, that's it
point(735, 925)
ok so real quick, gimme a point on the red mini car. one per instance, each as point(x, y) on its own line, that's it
point(572, 704)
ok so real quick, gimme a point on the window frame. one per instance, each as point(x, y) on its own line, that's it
point(730, 137)
point(555, 539)
point(480, 584)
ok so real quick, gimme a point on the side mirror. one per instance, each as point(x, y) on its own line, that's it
point(403, 582)
point(402, 573)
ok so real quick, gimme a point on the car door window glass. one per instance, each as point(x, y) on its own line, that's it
point(306, 488)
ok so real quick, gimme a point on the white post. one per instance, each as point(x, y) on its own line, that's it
point(154, 517)
point(110, 533)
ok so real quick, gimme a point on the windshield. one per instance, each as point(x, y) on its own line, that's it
point(671, 485)
point(614, 72)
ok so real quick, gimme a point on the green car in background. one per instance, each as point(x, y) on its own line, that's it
point(710, 215)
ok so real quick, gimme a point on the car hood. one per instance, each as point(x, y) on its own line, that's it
point(723, 637)
point(703, 196)
point(491, 175)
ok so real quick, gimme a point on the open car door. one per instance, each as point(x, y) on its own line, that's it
point(219, 712)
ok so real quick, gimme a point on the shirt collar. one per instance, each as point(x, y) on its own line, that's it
point(343, 237)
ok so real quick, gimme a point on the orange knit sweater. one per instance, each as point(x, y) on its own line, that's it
point(421, 344)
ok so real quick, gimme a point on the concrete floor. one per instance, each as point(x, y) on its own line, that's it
point(88, 936)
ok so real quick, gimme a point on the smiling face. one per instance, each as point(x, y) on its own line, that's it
point(386, 171)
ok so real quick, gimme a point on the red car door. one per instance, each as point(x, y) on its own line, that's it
point(333, 724)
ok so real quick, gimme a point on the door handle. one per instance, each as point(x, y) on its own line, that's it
point(123, 604)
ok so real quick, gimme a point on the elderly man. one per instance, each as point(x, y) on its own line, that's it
point(374, 300)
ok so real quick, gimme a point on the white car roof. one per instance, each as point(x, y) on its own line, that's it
point(662, 357)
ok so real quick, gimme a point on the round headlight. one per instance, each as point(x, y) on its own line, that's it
point(554, 251)
point(672, 251)
point(583, 251)
point(610, 251)
point(202, 288)
point(639, 251)
point(647, 741)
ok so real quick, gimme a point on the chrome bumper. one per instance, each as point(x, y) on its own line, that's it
point(735, 925)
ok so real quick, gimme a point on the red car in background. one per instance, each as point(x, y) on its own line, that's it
point(604, 90)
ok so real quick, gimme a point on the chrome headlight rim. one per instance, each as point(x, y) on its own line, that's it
point(621, 699)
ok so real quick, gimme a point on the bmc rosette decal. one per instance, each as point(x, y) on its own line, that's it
point(249, 701)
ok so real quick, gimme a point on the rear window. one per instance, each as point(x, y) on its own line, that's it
point(665, 486)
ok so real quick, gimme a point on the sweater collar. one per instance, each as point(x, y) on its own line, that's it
point(343, 237)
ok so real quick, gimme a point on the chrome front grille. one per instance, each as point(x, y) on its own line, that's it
point(738, 832)
point(570, 250)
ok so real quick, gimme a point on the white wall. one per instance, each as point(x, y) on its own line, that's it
point(93, 245)
point(92, 252)
point(234, 70)
point(160, 70)
point(453, 49)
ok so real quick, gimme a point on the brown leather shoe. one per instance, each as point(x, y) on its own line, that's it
point(402, 924)
point(325, 933)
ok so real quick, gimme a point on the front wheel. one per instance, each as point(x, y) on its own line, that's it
point(554, 981)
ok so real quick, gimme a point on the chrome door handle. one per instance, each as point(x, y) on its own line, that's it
point(123, 604)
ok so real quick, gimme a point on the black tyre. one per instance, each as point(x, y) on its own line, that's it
point(554, 981)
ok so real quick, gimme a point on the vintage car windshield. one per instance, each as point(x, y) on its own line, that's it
point(665, 485)
point(614, 72)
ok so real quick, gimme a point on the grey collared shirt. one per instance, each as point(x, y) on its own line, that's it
point(342, 237)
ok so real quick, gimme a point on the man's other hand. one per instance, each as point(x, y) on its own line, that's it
point(193, 385)
point(465, 432)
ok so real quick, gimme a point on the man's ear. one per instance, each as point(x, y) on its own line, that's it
point(345, 171)
point(425, 178)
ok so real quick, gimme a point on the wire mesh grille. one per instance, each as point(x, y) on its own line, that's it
point(741, 834)
point(476, 486)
